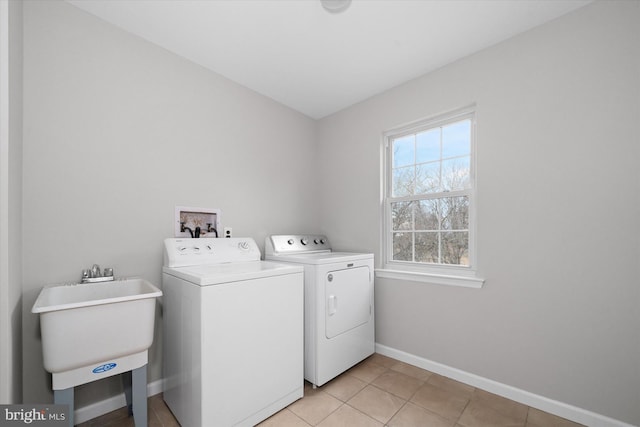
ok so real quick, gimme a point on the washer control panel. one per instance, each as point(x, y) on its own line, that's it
point(296, 243)
point(185, 252)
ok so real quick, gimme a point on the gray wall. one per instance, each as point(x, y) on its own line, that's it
point(558, 110)
point(117, 132)
point(11, 202)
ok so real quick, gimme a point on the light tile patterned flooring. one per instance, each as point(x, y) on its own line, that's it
point(380, 391)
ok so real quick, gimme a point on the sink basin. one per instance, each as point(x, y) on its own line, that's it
point(94, 323)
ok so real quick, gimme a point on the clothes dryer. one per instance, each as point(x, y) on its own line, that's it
point(233, 332)
point(338, 303)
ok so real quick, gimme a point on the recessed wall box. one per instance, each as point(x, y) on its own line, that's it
point(188, 220)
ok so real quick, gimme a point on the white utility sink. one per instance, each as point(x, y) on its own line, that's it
point(89, 329)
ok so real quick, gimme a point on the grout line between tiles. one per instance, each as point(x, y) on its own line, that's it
point(296, 415)
point(462, 412)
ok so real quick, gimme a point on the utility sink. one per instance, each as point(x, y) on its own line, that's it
point(92, 330)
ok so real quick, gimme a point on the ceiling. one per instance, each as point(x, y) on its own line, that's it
point(317, 62)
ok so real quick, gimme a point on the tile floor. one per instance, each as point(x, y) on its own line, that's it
point(380, 391)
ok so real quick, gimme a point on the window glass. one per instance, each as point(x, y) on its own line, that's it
point(455, 139)
point(404, 151)
point(428, 146)
point(431, 194)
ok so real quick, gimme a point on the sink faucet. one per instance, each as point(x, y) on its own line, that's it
point(95, 275)
point(95, 271)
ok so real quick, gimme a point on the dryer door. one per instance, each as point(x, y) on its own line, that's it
point(348, 300)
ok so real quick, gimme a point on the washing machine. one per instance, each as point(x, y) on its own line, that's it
point(232, 332)
point(338, 302)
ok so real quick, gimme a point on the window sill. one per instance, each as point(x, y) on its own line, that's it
point(437, 279)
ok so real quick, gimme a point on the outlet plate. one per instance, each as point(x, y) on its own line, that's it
point(228, 232)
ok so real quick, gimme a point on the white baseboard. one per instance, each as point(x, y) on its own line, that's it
point(554, 407)
point(94, 410)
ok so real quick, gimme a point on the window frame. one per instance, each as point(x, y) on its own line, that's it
point(456, 275)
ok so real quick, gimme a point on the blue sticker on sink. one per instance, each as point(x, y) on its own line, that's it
point(103, 368)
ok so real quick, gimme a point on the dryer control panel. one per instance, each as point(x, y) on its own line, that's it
point(185, 252)
point(296, 243)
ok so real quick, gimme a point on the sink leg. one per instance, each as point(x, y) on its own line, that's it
point(65, 397)
point(126, 384)
point(139, 385)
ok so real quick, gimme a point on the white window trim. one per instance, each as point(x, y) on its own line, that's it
point(436, 279)
point(464, 276)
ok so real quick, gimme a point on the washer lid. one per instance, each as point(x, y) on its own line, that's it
point(215, 274)
point(317, 258)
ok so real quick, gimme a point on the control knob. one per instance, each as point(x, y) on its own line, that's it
point(290, 241)
point(304, 241)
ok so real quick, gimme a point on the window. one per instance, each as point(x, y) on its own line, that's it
point(429, 201)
